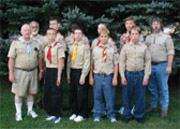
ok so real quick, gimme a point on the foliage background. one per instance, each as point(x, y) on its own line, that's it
point(13, 13)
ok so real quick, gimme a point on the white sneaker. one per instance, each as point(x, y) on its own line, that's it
point(50, 118)
point(113, 120)
point(72, 117)
point(32, 114)
point(79, 119)
point(96, 120)
point(18, 117)
point(57, 120)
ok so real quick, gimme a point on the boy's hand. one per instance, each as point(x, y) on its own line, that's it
point(145, 82)
point(91, 81)
point(58, 81)
point(82, 81)
point(123, 81)
point(115, 82)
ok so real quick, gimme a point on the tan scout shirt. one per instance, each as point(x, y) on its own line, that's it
point(59, 38)
point(135, 57)
point(23, 59)
point(101, 67)
point(96, 40)
point(57, 52)
point(160, 46)
point(39, 38)
point(82, 59)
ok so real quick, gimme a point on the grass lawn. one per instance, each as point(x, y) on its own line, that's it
point(153, 120)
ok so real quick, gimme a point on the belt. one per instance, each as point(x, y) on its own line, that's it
point(156, 63)
point(27, 70)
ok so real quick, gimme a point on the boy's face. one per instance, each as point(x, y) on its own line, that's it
point(54, 24)
point(104, 38)
point(135, 36)
point(156, 26)
point(51, 35)
point(129, 25)
point(78, 35)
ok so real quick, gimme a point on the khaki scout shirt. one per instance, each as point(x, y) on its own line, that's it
point(160, 46)
point(101, 67)
point(39, 38)
point(96, 40)
point(59, 38)
point(57, 52)
point(135, 57)
point(23, 59)
point(82, 59)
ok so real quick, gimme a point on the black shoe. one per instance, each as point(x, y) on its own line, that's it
point(140, 120)
point(125, 120)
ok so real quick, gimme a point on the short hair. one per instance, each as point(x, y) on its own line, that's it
point(130, 19)
point(51, 29)
point(78, 28)
point(55, 18)
point(137, 28)
point(34, 22)
point(104, 31)
point(157, 19)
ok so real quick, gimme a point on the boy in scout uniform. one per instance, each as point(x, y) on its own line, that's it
point(24, 56)
point(135, 69)
point(77, 71)
point(54, 22)
point(97, 41)
point(125, 38)
point(162, 52)
point(103, 76)
point(54, 59)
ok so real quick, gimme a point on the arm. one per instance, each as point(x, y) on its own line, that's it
point(60, 67)
point(68, 69)
point(91, 78)
point(169, 66)
point(115, 77)
point(11, 69)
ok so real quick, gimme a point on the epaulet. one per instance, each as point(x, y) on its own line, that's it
point(56, 43)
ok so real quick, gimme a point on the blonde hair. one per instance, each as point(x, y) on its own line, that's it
point(136, 28)
point(104, 31)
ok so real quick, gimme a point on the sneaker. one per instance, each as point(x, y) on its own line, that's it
point(72, 117)
point(50, 118)
point(18, 117)
point(57, 120)
point(140, 120)
point(79, 119)
point(32, 114)
point(96, 120)
point(151, 109)
point(164, 113)
point(113, 120)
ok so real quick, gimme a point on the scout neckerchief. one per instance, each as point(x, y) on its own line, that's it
point(74, 53)
point(104, 53)
point(49, 52)
point(28, 44)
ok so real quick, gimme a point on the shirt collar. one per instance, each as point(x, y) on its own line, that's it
point(24, 41)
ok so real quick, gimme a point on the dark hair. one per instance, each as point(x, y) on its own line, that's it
point(55, 18)
point(157, 19)
point(78, 28)
point(137, 28)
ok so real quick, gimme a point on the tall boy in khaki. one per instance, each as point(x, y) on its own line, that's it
point(135, 69)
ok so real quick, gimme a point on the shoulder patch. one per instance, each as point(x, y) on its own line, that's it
point(15, 39)
point(56, 43)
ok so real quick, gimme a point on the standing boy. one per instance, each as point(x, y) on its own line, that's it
point(135, 69)
point(77, 71)
point(54, 58)
point(103, 76)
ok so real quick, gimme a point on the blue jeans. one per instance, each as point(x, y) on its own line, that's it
point(103, 87)
point(159, 80)
point(134, 86)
